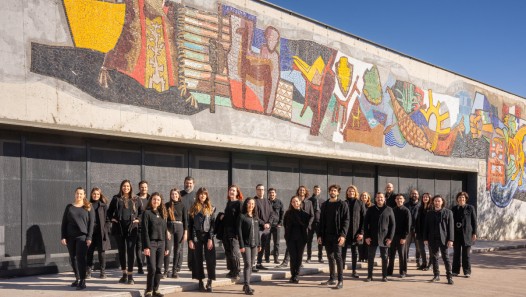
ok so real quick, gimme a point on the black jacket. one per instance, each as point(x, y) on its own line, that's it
point(444, 219)
point(201, 227)
point(245, 231)
point(356, 220)
point(265, 212)
point(153, 227)
point(414, 209)
point(402, 221)
point(294, 220)
point(306, 205)
point(465, 224)
point(316, 205)
point(231, 214)
point(277, 207)
point(420, 222)
point(341, 218)
point(115, 211)
point(104, 226)
point(379, 225)
point(390, 200)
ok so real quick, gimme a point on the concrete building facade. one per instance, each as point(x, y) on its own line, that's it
point(94, 92)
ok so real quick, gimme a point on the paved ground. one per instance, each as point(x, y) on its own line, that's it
point(494, 273)
point(500, 273)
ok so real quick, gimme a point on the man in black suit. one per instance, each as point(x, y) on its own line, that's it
point(465, 233)
point(403, 224)
point(188, 198)
point(438, 234)
point(379, 230)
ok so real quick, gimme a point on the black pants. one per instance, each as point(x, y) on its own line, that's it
point(334, 255)
point(176, 242)
point(370, 261)
point(232, 254)
point(436, 247)
point(461, 251)
point(198, 270)
point(411, 238)
point(295, 248)
point(310, 237)
point(396, 247)
point(155, 265)
point(138, 252)
point(423, 255)
point(189, 257)
point(363, 248)
point(275, 233)
point(265, 240)
point(126, 248)
point(78, 249)
point(248, 259)
point(96, 244)
point(354, 254)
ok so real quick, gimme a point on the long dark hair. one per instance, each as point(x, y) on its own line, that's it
point(244, 209)
point(171, 213)
point(206, 208)
point(103, 198)
point(125, 199)
point(291, 208)
point(161, 208)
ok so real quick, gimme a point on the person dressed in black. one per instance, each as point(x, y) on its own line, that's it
point(78, 222)
point(188, 198)
point(177, 227)
point(390, 195)
point(402, 228)
point(296, 222)
point(125, 212)
point(425, 207)
point(101, 232)
point(379, 231)
point(365, 197)
point(355, 233)
point(201, 228)
point(334, 224)
point(439, 235)
point(465, 234)
point(230, 239)
point(144, 197)
point(316, 202)
point(275, 228)
point(413, 205)
point(303, 193)
point(154, 241)
point(266, 219)
point(249, 240)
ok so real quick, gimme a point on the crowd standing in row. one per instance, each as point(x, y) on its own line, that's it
point(143, 225)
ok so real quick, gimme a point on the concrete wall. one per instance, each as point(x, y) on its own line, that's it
point(240, 74)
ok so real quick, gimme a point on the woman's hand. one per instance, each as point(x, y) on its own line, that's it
point(191, 245)
point(136, 221)
point(185, 236)
point(88, 242)
point(259, 249)
point(166, 252)
point(63, 241)
point(146, 252)
point(210, 244)
point(242, 250)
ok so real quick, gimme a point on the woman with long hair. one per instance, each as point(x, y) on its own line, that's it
point(296, 222)
point(465, 218)
point(425, 207)
point(230, 238)
point(201, 228)
point(101, 232)
point(125, 212)
point(365, 197)
point(177, 227)
point(354, 238)
point(77, 231)
point(154, 242)
point(249, 240)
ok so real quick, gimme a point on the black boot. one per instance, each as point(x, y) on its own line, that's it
point(354, 274)
point(157, 293)
point(130, 279)
point(248, 290)
point(339, 285)
point(75, 283)
point(209, 286)
point(123, 279)
point(201, 286)
point(82, 284)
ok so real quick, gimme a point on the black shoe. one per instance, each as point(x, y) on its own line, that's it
point(82, 284)
point(369, 279)
point(435, 279)
point(102, 274)
point(267, 260)
point(421, 267)
point(389, 274)
point(261, 267)
point(330, 282)
point(201, 286)
point(157, 294)
point(291, 280)
point(355, 275)
point(450, 280)
point(209, 286)
point(384, 279)
point(140, 270)
point(248, 290)
point(88, 273)
point(230, 274)
point(174, 275)
point(307, 261)
point(283, 265)
point(425, 268)
point(75, 283)
point(123, 279)
point(130, 279)
point(320, 260)
point(276, 261)
point(339, 285)
point(254, 269)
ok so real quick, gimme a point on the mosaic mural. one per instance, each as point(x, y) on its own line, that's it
point(171, 57)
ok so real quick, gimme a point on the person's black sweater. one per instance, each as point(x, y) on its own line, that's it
point(316, 201)
point(153, 227)
point(414, 208)
point(296, 224)
point(334, 219)
point(402, 222)
point(179, 211)
point(188, 198)
point(232, 212)
point(265, 212)
point(77, 221)
point(277, 208)
point(248, 231)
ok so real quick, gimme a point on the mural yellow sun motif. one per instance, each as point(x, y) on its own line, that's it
point(95, 24)
point(434, 110)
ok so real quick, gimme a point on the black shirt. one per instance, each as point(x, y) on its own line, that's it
point(179, 211)
point(153, 227)
point(77, 221)
point(331, 229)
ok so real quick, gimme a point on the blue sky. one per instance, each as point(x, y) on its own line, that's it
point(481, 39)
